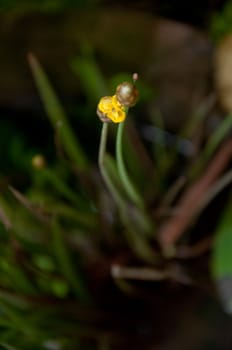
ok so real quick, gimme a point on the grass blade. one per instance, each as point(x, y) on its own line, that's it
point(65, 263)
point(57, 115)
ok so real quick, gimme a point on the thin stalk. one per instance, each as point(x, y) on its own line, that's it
point(101, 155)
point(220, 185)
point(129, 187)
point(141, 219)
point(137, 242)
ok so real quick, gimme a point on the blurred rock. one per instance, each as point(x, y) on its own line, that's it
point(181, 70)
point(223, 72)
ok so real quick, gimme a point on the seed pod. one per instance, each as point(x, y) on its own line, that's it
point(127, 94)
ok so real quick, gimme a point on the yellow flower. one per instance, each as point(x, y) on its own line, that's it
point(109, 109)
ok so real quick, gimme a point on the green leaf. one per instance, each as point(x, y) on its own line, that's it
point(66, 264)
point(90, 76)
point(57, 115)
point(217, 137)
point(219, 134)
point(222, 248)
point(222, 259)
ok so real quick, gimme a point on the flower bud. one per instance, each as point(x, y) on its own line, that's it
point(127, 94)
point(109, 109)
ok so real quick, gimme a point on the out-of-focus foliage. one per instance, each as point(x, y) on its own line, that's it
point(222, 260)
point(221, 22)
point(44, 5)
point(60, 238)
point(14, 150)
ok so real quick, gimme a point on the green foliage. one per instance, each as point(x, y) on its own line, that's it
point(221, 22)
point(59, 239)
point(13, 149)
point(89, 75)
point(43, 5)
point(57, 115)
point(222, 260)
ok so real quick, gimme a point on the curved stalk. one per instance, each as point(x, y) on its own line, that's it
point(129, 187)
point(102, 151)
point(137, 241)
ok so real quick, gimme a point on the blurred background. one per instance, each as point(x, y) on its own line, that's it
point(86, 48)
point(165, 42)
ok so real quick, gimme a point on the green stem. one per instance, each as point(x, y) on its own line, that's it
point(135, 239)
point(130, 189)
point(141, 219)
point(102, 151)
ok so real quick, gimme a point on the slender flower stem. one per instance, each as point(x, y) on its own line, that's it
point(138, 243)
point(102, 151)
point(142, 220)
point(129, 187)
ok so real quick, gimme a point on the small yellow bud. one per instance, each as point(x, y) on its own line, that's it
point(38, 161)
